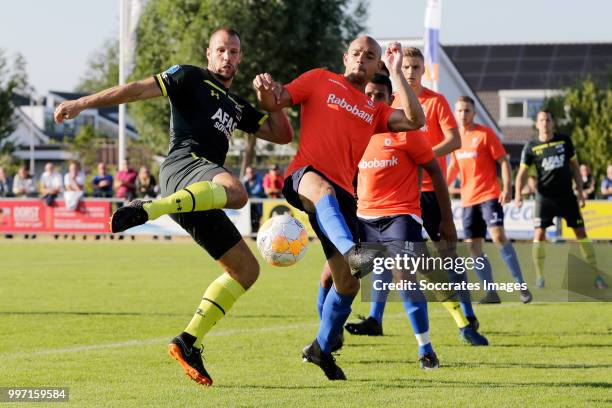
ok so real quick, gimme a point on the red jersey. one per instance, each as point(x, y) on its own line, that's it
point(336, 125)
point(438, 118)
point(480, 149)
point(388, 174)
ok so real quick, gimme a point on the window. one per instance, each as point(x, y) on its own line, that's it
point(515, 109)
point(519, 107)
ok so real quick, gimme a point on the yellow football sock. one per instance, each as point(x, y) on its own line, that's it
point(454, 308)
point(588, 252)
point(200, 196)
point(216, 302)
point(538, 254)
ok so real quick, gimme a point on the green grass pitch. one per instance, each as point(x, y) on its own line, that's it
point(96, 317)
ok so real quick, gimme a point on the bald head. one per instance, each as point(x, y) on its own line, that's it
point(367, 41)
point(362, 61)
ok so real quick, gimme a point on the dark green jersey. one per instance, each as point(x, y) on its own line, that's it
point(552, 161)
point(204, 112)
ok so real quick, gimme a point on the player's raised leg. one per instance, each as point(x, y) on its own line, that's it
point(224, 191)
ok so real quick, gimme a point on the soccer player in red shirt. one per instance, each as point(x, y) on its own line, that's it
point(481, 197)
point(337, 123)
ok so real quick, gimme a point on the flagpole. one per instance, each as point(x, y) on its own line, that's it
point(122, 35)
point(433, 19)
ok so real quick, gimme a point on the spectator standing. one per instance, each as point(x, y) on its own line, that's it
point(273, 182)
point(102, 183)
point(588, 183)
point(24, 184)
point(6, 188)
point(254, 188)
point(253, 183)
point(51, 184)
point(606, 184)
point(146, 185)
point(125, 182)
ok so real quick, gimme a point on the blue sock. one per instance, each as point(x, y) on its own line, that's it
point(379, 297)
point(416, 308)
point(465, 300)
point(484, 273)
point(510, 258)
point(336, 310)
point(321, 299)
point(332, 223)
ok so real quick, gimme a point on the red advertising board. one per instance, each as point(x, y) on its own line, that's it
point(34, 216)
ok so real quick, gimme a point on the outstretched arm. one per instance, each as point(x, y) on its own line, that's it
point(134, 91)
point(411, 116)
point(277, 128)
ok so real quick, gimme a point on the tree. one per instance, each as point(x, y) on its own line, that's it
point(84, 146)
point(584, 112)
point(102, 69)
point(12, 80)
point(284, 38)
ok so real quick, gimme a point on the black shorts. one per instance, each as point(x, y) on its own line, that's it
point(547, 208)
point(212, 229)
point(431, 214)
point(346, 200)
point(477, 218)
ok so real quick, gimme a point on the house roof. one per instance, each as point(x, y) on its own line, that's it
point(531, 66)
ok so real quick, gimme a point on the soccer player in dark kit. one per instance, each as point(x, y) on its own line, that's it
point(193, 181)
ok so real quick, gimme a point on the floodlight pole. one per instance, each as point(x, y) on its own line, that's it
point(122, 34)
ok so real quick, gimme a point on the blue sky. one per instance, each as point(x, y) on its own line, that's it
point(57, 37)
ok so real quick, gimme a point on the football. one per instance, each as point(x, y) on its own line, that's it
point(282, 240)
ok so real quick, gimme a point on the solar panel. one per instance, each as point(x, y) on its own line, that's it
point(533, 65)
point(494, 82)
point(539, 51)
point(601, 50)
point(501, 67)
point(536, 66)
point(505, 51)
point(476, 51)
point(567, 64)
point(572, 50)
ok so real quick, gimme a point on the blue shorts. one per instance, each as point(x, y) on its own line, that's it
point(393, 228)
point(402, 234)
point(477, 218)
point(346, 200)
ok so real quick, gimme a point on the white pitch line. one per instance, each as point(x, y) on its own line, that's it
point(144, 342)
point(161, 340)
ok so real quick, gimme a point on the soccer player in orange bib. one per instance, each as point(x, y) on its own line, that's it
point(441, 132)
point(389, 211)
point(481, 197)
point(337, 123)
